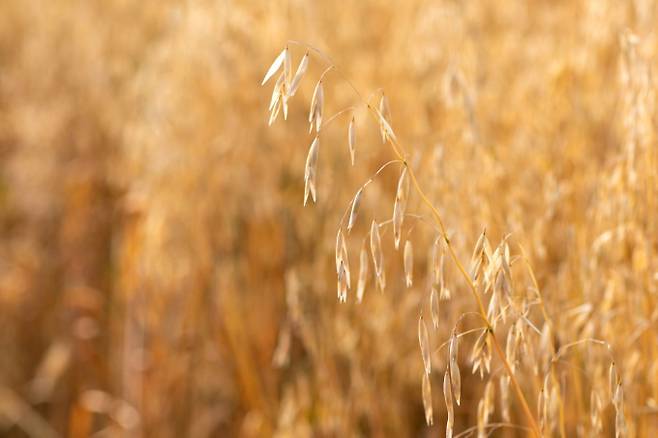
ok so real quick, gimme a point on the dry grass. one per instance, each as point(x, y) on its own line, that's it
point(160, 275)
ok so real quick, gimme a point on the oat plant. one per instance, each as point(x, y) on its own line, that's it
point(498, 302)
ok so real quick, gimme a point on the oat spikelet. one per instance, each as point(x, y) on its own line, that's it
point(427, 399)
point(363, 273)
point(342, 266)
point(400, 206)
point(544, 405)
point(512, 346)
point(618, 398)
point(493, 309)
point(281, 356)
point(482, 422)
point(351, 139)
point(620, 425)
point(275, 112)
point(540, 407)
point(447, 395)
point(297, 79)
point(320, 107)
point(613, 380)
point(377, 255)
point(343, 286)
point(477, 257)
point(277, 99)
point(437, 262)
point(317, 104)
point(275, 66)
point(276, 92)
point(384, 119)
point(388, 131)
point(453, 349)
point(284, 101)
point(434, 307)
point(489, 394)
point(504, 398)
point(485, 409)
point(437, 268)
point(424, 341)
point(474, 269)
point(311, 170)
point(338, 248)
point(355, 209)
point(596, 412)
point(345, 259)
point(478, 346)
point(620, 420)
point(554, 406)
point(347, 265)
point(479, 245)
point(481, 354)
point(408, 263)
point(455, 375)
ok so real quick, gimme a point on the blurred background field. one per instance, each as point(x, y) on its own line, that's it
point(160, 277)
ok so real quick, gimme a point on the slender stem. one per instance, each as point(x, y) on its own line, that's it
point(459, 335)
point(330, 119)
point(412, 216)
point(564, 348)
point(363, 187)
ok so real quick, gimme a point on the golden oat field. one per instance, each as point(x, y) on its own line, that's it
point(295, 218)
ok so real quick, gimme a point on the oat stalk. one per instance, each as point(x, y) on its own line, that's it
point(400, 154)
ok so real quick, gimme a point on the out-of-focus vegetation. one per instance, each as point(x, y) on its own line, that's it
point(159, 275)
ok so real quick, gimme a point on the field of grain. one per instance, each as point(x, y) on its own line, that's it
point(160, 275)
